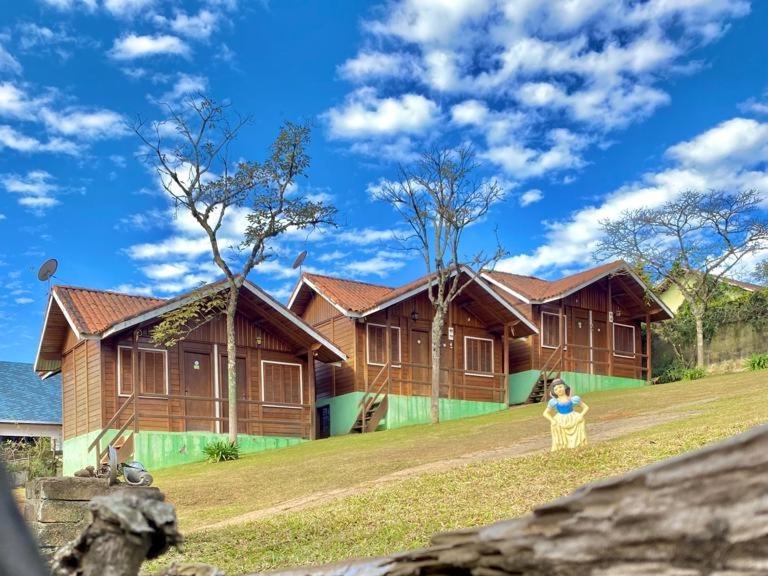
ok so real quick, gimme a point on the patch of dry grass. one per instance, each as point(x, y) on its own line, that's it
point(406, 514)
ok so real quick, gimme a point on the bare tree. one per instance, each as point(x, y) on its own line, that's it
point(690, 242)
point(196, 170)
point(439, 197)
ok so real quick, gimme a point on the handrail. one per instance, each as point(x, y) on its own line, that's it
point(373, 382)
point(369, 399)
point(120, 432)
point(114, 418)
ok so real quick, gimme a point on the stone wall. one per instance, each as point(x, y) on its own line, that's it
point(56, 509)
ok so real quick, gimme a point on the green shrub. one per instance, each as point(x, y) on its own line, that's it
point(758, 362)
point(694, 373)
point(672, 373)
point(221, 450)
point(36, 458)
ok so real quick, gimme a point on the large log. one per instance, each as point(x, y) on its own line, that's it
point(127, 527)
point(703, 513)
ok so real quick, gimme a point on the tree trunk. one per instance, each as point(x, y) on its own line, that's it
point(437, 335)
point(232, 364)
point(698, 316)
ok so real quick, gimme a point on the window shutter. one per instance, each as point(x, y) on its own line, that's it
point(126, 378)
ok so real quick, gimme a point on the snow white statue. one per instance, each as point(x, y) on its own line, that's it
point(566, 416)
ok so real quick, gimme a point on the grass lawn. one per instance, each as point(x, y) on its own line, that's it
point(404, 514)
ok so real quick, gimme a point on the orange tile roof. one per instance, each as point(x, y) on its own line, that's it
point(93, 311)
point(351, 295)
point(537, 289)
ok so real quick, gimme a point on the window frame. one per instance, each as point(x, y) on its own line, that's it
point(398, 363)
point(493, 358)
point(634, 341)
point(166, 375)
point(264, 402)
point(565, 330)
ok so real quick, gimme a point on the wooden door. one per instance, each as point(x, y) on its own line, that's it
point(579, 337)
point(242, 394)
point(421, 358)
point(198, 382)
point(599, 347)
point(323, 421)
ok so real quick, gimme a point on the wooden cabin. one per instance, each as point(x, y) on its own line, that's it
point(386, 380)
point(593, 329)
point(161, 406)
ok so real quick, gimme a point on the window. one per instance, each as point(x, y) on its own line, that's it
point(550, 330)
point(377, 345)
point(478, 356)
point(624, 340)
point(152, 371)
point(281, 383)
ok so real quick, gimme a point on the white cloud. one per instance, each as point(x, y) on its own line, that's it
point(185, 85)
point(123, 8)
point(731, 156)
point(165, 271)
point(381, 264)
point(16, 103)
point(531, 197)
point(469, 113)
point(85, 124)
point(8, 63)
point(332, 256)
point(364, 114)
point(70, 4)
point(372, 64)
point(366, 236)
point(36, 189)
point(510, 70)
point(15, 140)
point(131, 46)
point(199, 26)
point(24, 300)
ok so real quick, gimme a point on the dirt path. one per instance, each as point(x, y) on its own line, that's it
point(598, 431)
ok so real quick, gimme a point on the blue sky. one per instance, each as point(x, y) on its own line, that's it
point(579, 108)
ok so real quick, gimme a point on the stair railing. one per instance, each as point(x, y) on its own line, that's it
point(546, 369)
point(372, 393)
point(129, 402)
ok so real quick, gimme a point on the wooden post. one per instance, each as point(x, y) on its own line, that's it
point(135, 378)
point(311, 382)
point(388, 340)
point(505, 347)
point(609, 327)
point(561, 322)
point(648, 348)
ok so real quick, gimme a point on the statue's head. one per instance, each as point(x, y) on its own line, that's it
point(560, 389)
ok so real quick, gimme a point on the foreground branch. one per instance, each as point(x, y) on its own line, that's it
point(703, 513)
point(128, 526)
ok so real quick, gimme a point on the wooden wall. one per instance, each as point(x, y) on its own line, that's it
point(81, 391)
point(167, 414)
point(528, 354)
point(356, 374)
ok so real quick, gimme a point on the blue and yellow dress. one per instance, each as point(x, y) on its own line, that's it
point(568, 429)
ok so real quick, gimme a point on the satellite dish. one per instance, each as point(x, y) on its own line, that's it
point(47, 270)
point(299, 259)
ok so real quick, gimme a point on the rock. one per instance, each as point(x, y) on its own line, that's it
point(66, 488)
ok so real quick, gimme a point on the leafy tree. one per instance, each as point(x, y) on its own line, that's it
point(195, 167)
point(439, 197)
point(691, 242)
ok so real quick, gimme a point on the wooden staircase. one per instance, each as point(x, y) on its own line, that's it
point(374, 404)
point(551, 370)
point(123, 441)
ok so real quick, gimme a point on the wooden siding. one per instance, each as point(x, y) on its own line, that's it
point(528, 353)
point(81, 389)
point(168, 413)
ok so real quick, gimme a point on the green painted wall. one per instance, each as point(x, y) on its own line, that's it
point(410, 410)
point(521, 384)
point(157, 450)
point(402, 411)
point(75, 454)
point(344, 411)
point(586, 383)
point(164, 449)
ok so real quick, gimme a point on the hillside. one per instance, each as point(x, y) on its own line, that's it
point(374, 494)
